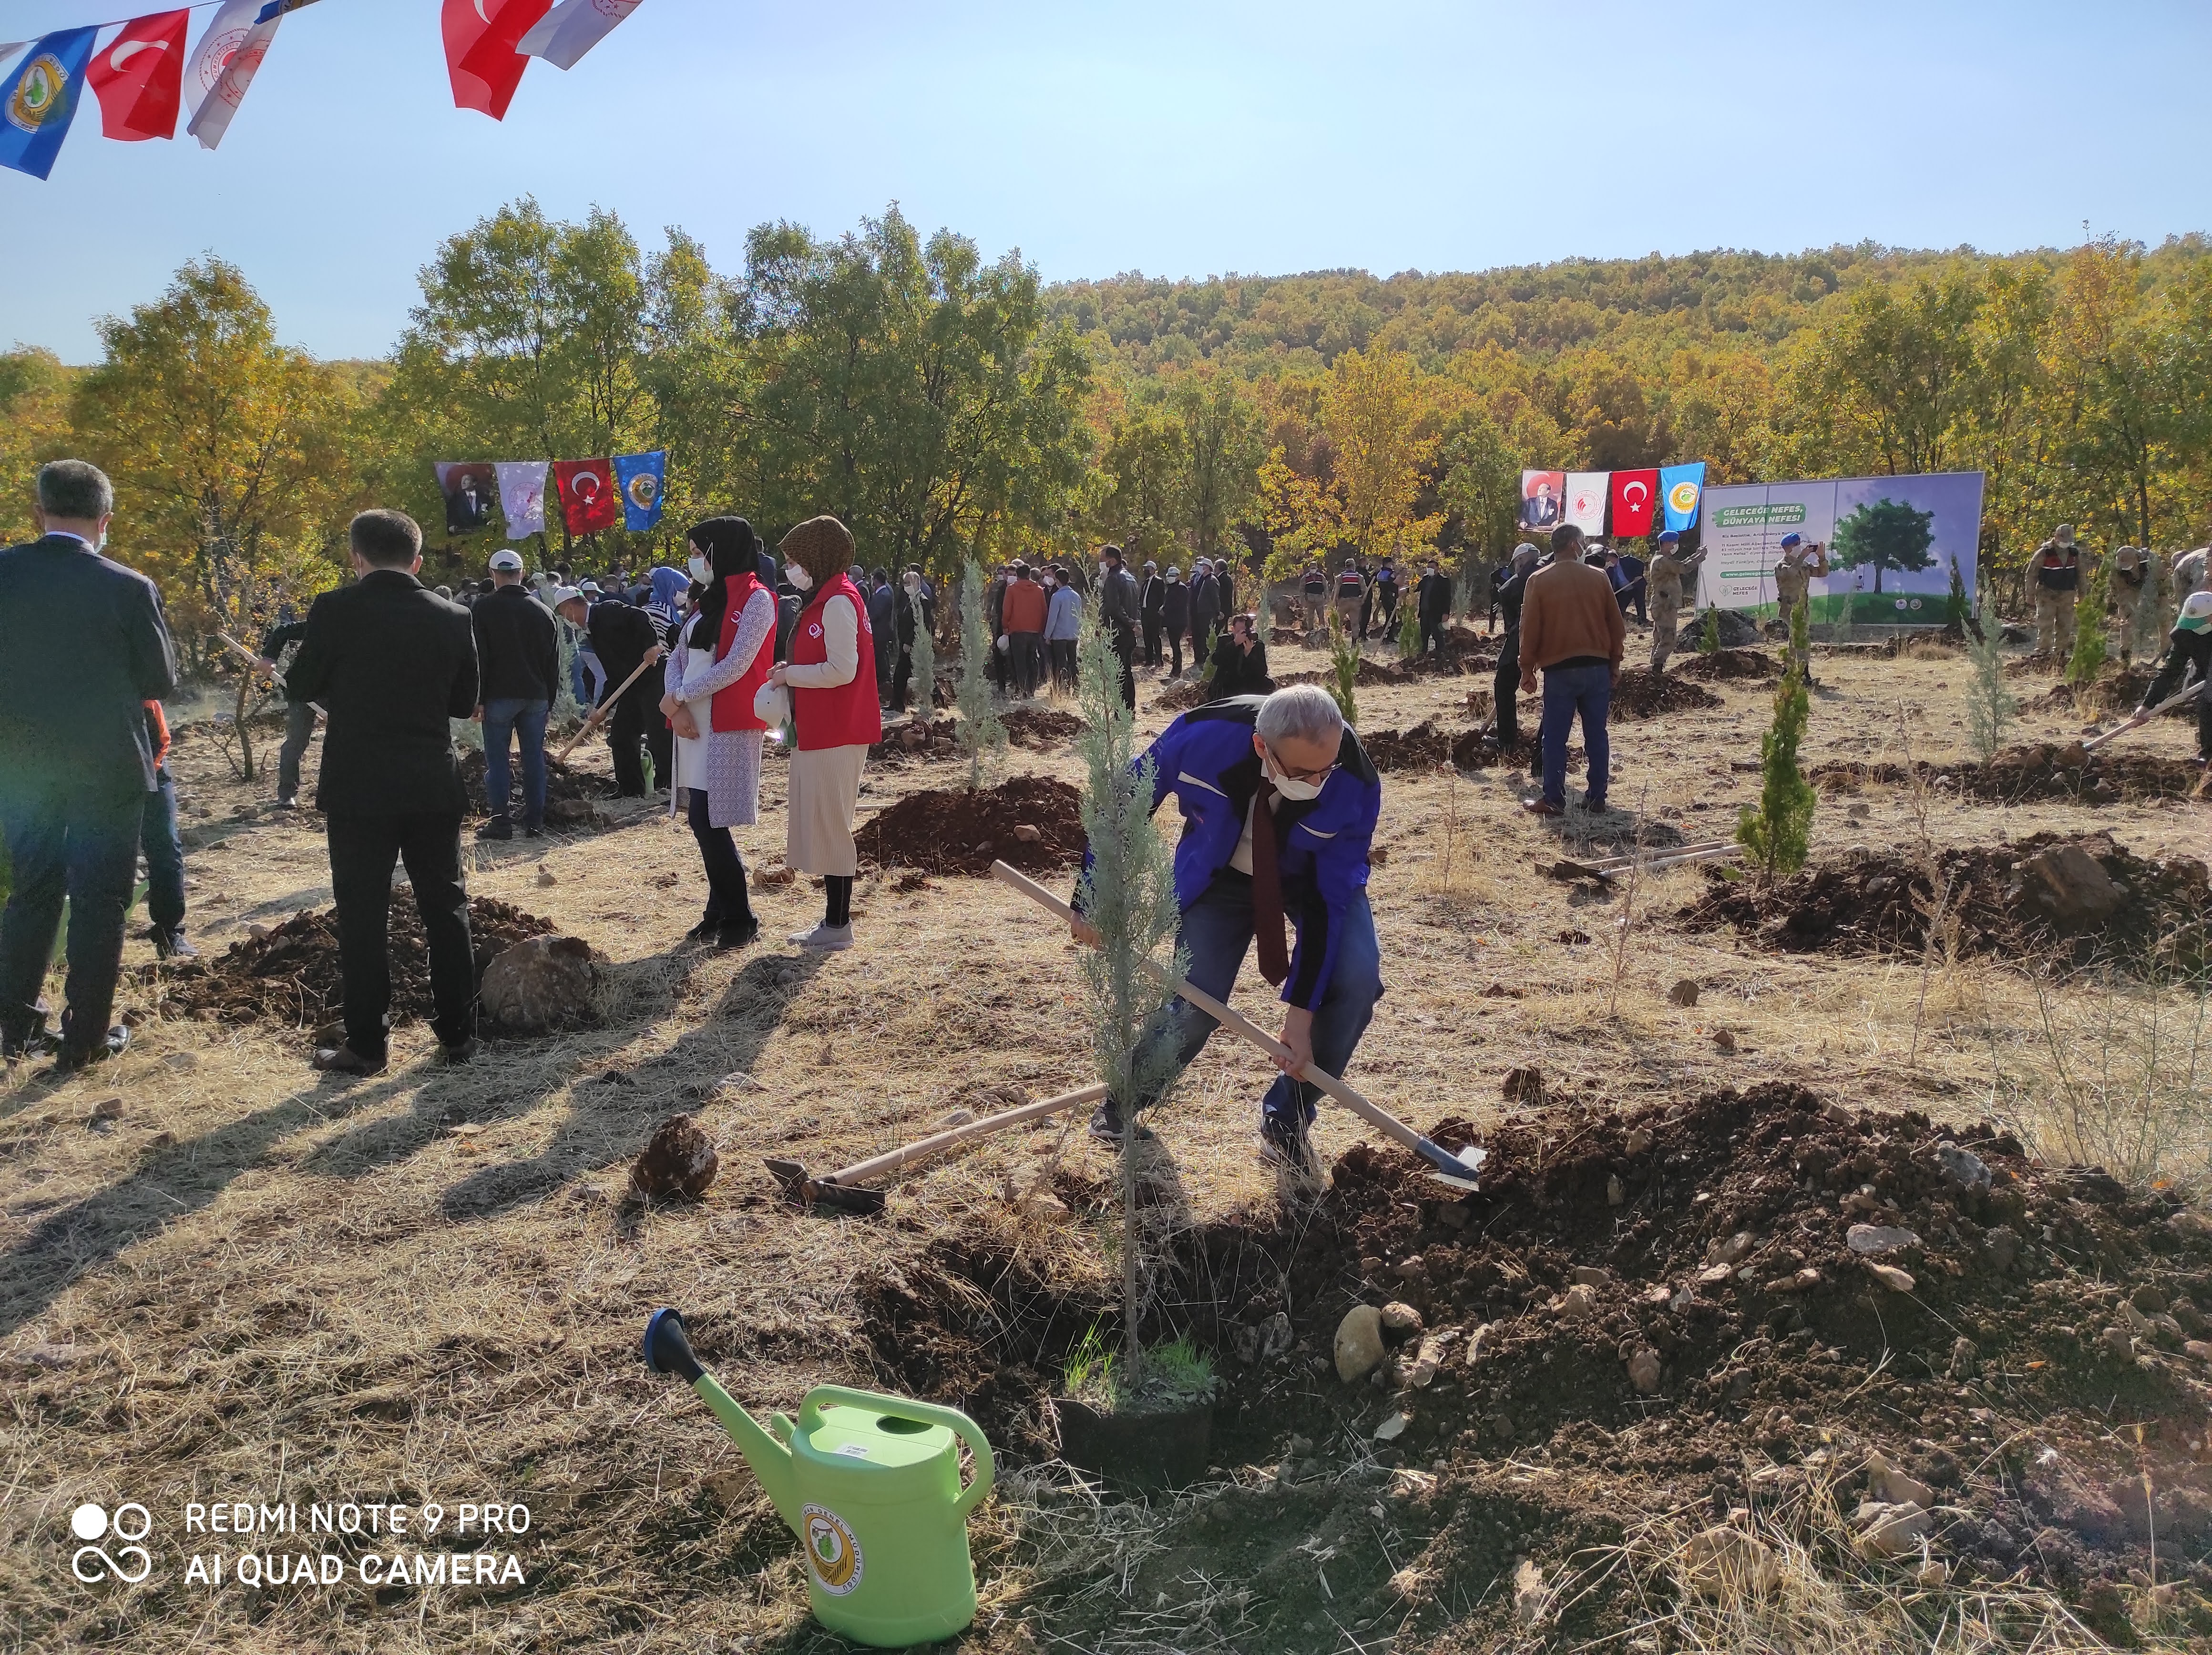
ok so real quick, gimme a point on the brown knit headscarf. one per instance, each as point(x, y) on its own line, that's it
point(822, 547)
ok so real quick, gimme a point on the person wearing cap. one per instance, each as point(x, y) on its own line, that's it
point(1152, 594)
point(1433, 603)
point(831, 675)
point(1666, 579)
point(2057, 568)
point(1800, 566)
point(2137, 602)
point(1573, 632)
point(519, 673)
point(1351, 595)
point(2188, 655)
point(1022, 614)
point(1175, 619)
point(1505, 683)
point(392, 663)
point(1313, 588)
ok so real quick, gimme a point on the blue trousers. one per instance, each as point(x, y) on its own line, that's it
point(85, 849)
point(1216, 933)
point(1567, 691)
point(165, 854)
point(503, 719)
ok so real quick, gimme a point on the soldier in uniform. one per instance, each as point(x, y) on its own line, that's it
point(2138, 602)
point(1802, 565)
point(2057, 577)
point(1667, 581)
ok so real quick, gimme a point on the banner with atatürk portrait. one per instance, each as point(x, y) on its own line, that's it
point(1541, 495)
point(471, 492)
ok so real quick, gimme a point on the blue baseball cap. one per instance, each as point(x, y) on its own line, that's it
point(1793, 540)
point(1670, 538)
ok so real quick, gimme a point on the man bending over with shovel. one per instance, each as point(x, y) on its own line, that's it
point(1280, 805)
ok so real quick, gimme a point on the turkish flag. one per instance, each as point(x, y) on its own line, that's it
point(481, 36)
point(140, 77)
point(1635, 494)
point(589, 499)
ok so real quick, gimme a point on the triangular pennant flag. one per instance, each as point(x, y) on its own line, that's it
point(41, 100)
point(140, 77)
point(572, 29)
point(229, 55)
point(480, 50)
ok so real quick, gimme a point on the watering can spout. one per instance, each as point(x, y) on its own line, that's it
point(668, 1350)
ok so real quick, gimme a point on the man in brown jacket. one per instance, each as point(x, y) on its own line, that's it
point(1572, 627)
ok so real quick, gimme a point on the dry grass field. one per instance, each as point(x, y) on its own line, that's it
point(224, 1279)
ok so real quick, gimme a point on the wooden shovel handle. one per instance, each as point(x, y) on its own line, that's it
point(938, 1142)
point(598, 714)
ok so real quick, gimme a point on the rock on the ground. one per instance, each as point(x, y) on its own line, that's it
point(680, 1159)
point(1523, 1085)
point(1875, 1240)
point(1962, 1167)
point(1399, 1322)
point(1889, 1275)
point(2067, 887)
point(1643, 1370)
point(1893, 1484)
point(1684, 993)
point(1358, 1343)
point(1530, 1599)
point(1722, 1562)
point(1889, 1529)
point(540, 986)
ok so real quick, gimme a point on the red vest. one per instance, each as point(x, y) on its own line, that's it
point(847, 716)
point(733, 703)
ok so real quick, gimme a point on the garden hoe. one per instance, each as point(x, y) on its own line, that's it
point(2187, 693)
point(844, 1189)
point(1459, 1171)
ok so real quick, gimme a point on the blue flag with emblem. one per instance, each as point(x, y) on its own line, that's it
point(640, 477)
point(1681, 491)
point(42, 96)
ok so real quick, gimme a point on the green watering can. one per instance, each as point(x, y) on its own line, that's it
point(871, 1485)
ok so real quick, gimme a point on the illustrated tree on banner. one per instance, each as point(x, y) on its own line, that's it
point(1884, 534)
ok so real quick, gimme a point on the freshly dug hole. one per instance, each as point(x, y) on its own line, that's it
point(953, 831)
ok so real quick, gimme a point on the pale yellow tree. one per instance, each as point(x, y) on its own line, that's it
point(1374, 413)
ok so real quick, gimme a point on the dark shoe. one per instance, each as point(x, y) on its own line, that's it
point(344, 1060)
point(533, 830)
point(738, 934)
point(1287, 1144)
point(1543, 808)
point(1596, 806)
point(497, 828)
point(39, 1042)
point(285, 801)
point(460, 1050)
point(1106, 1124)
point(70, 1056)
point(705, 930)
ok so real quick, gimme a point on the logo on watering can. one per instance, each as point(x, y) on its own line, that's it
point(831, 1551)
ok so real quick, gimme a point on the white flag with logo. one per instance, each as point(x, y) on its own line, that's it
point(572, 29)
point(224, 66)
point(1586, 500)
point(522, 496)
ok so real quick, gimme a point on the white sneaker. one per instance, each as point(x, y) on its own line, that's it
point(829, 939)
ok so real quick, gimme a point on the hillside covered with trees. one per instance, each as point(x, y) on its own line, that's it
point(943, 401)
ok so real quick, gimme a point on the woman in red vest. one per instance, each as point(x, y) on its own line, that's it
point(721, 663)
point(832, 675)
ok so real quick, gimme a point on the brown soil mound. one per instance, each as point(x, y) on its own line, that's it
point(1471, 752)
point(905, 738)
point(1185, 693)
point(291, 975)
point(1704, 1248)
point(1422, 748)
point(1040, 727)
point(2045, 771)
point(2115, 689)
point(1865, 903)
point(952, 831)
point(1726, 663)
point(568, 793)
point(1639, 692)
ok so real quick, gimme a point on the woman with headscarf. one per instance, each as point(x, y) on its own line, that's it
point(723, 653)
point(831, 674)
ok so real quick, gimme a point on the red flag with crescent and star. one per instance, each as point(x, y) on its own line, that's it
point(589, 499)
point(140, 77)
point(481, 36)
point(1635, 495)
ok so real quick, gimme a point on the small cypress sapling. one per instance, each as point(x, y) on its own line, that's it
point(981, 732)
point(923, 684)
point(1709, 634)
point(1778, 831)
point(2088, 656)
point(1409, 633)
point(1127, 895)
point(1343, 670)
point(1990, 702)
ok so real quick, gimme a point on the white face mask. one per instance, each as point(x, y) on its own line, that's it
point(914, 583)
point(798, 576)
point(700, 572)
point(1288, 786)
point(1105, 568)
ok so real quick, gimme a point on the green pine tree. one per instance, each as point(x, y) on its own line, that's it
point(981, 733)
point(1127, 895)
point(1778, 831)
point(1343, 670)
point(1989, 701)
point(1409, 633)
point(1709, 634)
point(923, 684)
point(2088, 656)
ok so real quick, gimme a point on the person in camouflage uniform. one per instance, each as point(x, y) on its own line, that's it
point(1667, 581)
point(1800, 566)
point(2137, 602)
point(2057, 576)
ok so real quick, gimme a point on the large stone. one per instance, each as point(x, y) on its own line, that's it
point(1643, 1370)
point(2067, 887)
point(540, 986)
point(1875, 1240)
point(681, 1160)
point(1889, 1530)
point(1726, 1563)
point(1358, 1343)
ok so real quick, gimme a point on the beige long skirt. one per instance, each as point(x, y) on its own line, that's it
point(825, 791)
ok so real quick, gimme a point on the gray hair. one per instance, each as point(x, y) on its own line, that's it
point(76, 490)
point(1304, 712)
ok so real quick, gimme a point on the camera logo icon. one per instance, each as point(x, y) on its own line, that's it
point(131, 1522)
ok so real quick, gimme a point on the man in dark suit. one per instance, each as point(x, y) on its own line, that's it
point(392, 661)
point(625, 638)
point(83, 647)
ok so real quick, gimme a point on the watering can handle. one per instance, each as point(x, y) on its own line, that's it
point(928, 1413)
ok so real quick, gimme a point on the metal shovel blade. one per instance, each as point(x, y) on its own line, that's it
point(803, 1191)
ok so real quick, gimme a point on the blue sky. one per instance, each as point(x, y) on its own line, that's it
point(1178, 139)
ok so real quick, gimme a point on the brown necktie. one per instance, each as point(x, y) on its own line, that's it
point(1267, 889)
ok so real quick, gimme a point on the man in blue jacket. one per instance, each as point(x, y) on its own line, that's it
point(1279, 805)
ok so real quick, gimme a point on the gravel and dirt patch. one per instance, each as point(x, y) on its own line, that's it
point(1033, 822)
point(290, 975)
point(1639, 692)
point(1041, 728)
point(569, 793)
point(2048, 770)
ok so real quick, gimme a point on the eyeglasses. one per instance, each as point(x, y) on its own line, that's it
point(1289, 774)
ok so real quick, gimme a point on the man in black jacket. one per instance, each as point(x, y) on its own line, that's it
point(299, 715)
point(1118, 609)
point(83, 647)
point(519, 673)
point(1433, 603)
point(1152, 594)
point(392, 661)
point(1505, 684)
point(624, 638)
